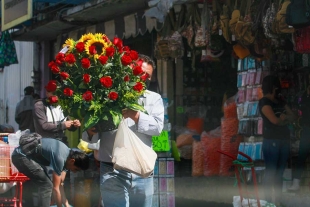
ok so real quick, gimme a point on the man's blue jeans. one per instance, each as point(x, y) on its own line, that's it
point(123, 189)
point(37, 176)
point(276, 153)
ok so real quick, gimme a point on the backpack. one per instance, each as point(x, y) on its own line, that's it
point(30, 143)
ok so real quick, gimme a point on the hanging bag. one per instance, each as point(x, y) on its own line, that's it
point(302, 40)
point(298, 13)
point(280, 22)
point(131, 154)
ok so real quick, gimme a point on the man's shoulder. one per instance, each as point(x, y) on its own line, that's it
point(148, 93)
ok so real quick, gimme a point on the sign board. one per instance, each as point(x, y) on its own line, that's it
point(161, 143)
point(14, 12)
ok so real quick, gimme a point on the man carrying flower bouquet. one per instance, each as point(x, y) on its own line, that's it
point(120, 188)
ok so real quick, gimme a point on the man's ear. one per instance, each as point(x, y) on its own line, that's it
point(71, 161)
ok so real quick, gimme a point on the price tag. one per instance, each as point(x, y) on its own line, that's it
point(161, 142)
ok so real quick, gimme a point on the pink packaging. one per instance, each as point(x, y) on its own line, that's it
point(171, 200)
point(255, 94)
point(260, 126)
point(241, 95)
point(249, 94)
point(258, 77)
point(251, 78)
point(163, 184)
point(170, 166)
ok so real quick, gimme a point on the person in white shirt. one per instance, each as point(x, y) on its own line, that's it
point(120, 188)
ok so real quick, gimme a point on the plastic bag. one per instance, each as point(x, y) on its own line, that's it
point(211, 142)
point(230, 107)
point(131, 154)
point(197, 164)
point(229, 143)
point(250, 202)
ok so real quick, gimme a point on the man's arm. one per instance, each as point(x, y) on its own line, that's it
point(151, 123)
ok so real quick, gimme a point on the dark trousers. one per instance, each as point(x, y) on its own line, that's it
point(276, 153)
point(304, 149)
point(37, 176)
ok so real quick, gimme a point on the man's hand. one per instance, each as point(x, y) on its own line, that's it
point(68, 124)
point(129, 113)
point(76, 123)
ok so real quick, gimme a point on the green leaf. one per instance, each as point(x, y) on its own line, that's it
point(132, 83)
point(90, 121)
point(137, 107)
point(116, 117)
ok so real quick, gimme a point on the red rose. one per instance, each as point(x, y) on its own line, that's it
point(51, 86)
point(113, 95)
point(53, 99)
point(103, 59)
point(92, 50)
point(137, 70)
point(85, 63)
point(126, 78)
point(126, 49)
point(118, 42)
point(68, 92)
point(51, 64)
point(55, 69)
point(106, 38)
point(70, 59)
point(126, 60)
point(80, 47)
point(64, 75)
point(138, 87)
point(144, 77)
point(140, 62)
point(106, 81)
point(110, 51)
point(60, 57)
point(134, 55)
point(58, 62)
point(87, 96)
point(86, 78)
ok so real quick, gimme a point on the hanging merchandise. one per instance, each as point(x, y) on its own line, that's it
point(224, 20)
point(243, 29)
point(241, 51)
point(267, 23)
point(187, 30)
point(233, 20)
point(302, 40)
point(170, 45)
point(298, 13)
point(280, 26)
point(201, 35)
point(8, 54)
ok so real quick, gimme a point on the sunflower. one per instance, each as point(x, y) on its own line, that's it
point(86, 37)
point(69, 43)
point(100, 45)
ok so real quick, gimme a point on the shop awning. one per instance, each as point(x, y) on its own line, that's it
point(114, 18)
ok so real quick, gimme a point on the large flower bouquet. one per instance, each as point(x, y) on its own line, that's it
point(97, 78)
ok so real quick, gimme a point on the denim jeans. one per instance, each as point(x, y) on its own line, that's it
point(276, 153)
point(304, 150)
point(120, 188)
point(37, 176)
